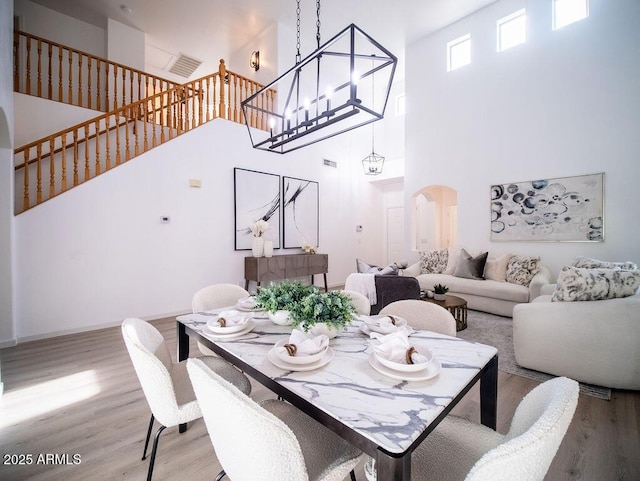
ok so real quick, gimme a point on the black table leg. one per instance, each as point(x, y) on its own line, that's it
point(326, 289)
point(489, 394)
point(183, 353)
point(389, 468)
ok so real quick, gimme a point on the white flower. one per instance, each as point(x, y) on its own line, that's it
point(259, 227)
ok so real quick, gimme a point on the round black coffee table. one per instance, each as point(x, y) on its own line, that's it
point(457, 306)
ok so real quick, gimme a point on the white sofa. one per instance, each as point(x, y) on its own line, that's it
point(484, 295)
point(596, 342)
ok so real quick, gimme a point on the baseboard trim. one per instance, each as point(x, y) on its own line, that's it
point(8, 343)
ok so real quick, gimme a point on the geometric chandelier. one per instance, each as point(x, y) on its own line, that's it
point(325, 94)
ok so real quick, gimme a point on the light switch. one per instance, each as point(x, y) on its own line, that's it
point(197, 183)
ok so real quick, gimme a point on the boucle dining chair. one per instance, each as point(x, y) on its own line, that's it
point(423, 315)
point(481, 454)
point(214, 297)
point(166, 384)
point(270, 441)
point(360, 302)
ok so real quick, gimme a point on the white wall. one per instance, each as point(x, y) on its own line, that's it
point(125, 45)
point(98, 254)
point(44, 22)
point(565, 103)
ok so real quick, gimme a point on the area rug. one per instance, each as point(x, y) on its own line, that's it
point(498, 332)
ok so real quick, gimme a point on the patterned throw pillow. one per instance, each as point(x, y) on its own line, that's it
point(586, 263)
point(577, 284)
point(521, 269)
point(433, 262)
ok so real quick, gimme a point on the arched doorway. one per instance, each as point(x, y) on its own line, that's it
point(435, 218)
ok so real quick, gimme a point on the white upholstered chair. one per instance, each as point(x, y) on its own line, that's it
point(459, 449)
point(423, 315)
point(215, 297)
point(166, 384)
point(360, 301)
point(270, 441)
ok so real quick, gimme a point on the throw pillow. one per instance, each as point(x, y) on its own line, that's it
point(390, 270)
point(521, 269)
point(578, 284)
point(433, 262)
point(496, 269)
point(452, 261)
point(586, 263)
point(471, 267)
point(365, 268)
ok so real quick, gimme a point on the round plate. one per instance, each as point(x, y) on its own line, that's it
point(432, 370)
point(214, 327)
point(276, 361)
point(297, 360)
point(244, 305)
point(247, 327)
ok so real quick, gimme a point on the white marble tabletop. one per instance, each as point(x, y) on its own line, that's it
point(389, 412)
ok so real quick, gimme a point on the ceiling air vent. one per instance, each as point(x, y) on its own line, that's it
point(185, 66)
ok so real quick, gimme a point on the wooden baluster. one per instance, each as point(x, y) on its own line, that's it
point(124, 98)
point(76, 157)
point(131, 99)
point(246, 96)
point(80, 80)
point(207, 99)
point(16, 61)
point(139, 86)
point(88, 82)
point(49, 73)
point(200, 101)
point(52, 173)
point(39, 79)
point(70, 96)
point(25, 195)
point(87, 171)
point(236, 102)
point(154, 124)
point(98, 85)
point(63, 163)
point(145, 123)
point(213, 100)
point(163, 116)
point(97, 142)
point(107, 105)
point(117, 122)
point(60, 74)
point(28, 86)
point(39, 174)
point(253, 111)
point(136, 130)
point(222, 70)
point(126, 131)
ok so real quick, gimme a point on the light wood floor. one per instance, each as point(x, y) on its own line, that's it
point(78, 394)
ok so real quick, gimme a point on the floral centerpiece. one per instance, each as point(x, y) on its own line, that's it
point(282, 296)
point(334, 309)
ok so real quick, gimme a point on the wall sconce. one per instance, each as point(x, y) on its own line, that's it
point(255, 60)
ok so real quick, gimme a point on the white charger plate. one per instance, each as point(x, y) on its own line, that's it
point(323, 361)
point(246, 327)
point(243, 307)
point(432, 370)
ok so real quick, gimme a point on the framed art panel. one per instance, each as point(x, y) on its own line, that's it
point(300, 221)
point(565, 209)
point(256, 196)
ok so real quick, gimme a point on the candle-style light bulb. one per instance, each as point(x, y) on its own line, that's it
point(272, 123)
point(355, 78)
point(287, 115)
point(328, 96)
point(307, 106)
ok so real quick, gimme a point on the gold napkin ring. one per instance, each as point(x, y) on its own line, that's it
point(393, 320)
point(408, 354)
point(291, 349)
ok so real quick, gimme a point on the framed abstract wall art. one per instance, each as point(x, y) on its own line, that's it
point(256, 196)
point(300, 221)
point(565, 209)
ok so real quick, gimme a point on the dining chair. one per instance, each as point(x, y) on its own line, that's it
point(360, 301)
point(270, 441)
point(214, 297)
point(166, 384)
point(459, 449)
point(423, 315)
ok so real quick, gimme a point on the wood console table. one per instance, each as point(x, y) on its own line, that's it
point(265, 269)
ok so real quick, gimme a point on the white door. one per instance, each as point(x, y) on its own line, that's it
point(395, 234)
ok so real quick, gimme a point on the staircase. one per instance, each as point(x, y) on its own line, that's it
point(142, 111)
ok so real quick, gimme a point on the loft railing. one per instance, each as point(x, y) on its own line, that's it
point(50, 166)
point(55, 72)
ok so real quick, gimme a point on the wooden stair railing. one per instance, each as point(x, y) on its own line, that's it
point(55, 72)
point(99, 144)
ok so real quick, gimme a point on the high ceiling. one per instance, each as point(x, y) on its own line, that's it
point(207, 29)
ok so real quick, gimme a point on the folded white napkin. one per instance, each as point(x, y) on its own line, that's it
point(247, 302)
point(231, 318)
point(304, 344)
point(395, 347)
point(384, 325)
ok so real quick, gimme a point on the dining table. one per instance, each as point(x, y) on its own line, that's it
point(384, 413)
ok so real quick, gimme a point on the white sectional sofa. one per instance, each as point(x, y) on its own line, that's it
point(486, 295)
point(596, 342)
